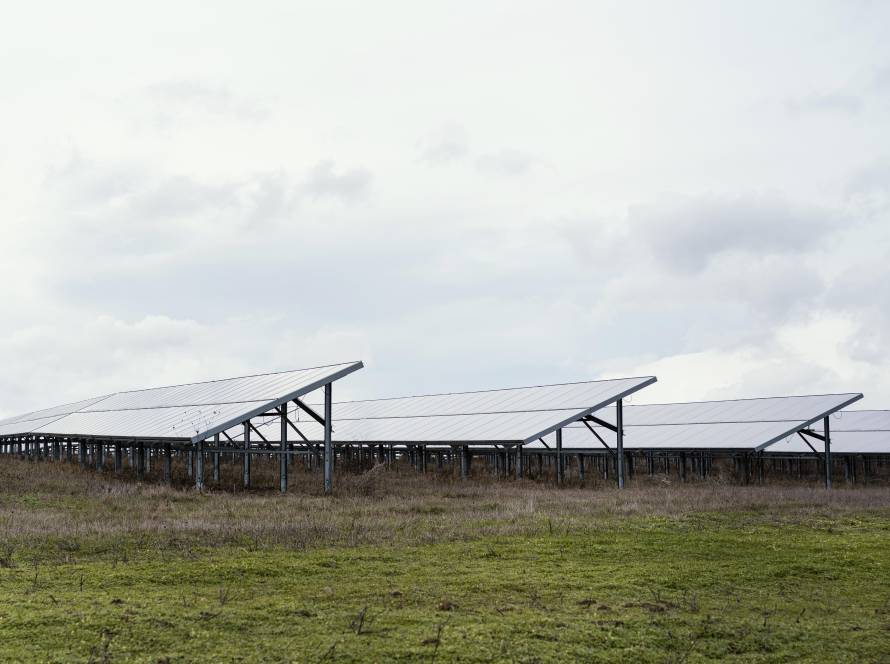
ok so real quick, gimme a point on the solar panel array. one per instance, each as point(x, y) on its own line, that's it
point(511, 415)
point(515, 415)
point(191, 411)
point(750, 424)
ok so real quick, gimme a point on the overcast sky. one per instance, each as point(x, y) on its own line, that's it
point(463, 195)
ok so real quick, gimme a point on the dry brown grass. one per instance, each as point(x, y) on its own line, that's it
point(63, 508)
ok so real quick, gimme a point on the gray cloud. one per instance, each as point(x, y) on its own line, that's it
point(348, 186)
point(686, 234)
point(446, 145)
point(882, 80)
point(833, 102)
point(199, 97)
point(507, 162)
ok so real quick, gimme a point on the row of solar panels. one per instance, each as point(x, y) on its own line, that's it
point(527, 415)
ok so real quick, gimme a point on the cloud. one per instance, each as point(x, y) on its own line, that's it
point(324, 182)
point(506, 162)
point(834, 102)
point(445, 145)
point(193, 100)
point(685, 234)
point(812, 356)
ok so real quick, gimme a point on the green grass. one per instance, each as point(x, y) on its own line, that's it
point(569, 578)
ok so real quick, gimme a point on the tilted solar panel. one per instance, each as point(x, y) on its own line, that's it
point(193, 411)
point(514, 415)
point(752, 424)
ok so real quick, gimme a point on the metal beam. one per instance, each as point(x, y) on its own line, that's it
point(216, 457)
point(199, 465)
point(168, 463)
point(601, 422)
point(309, 411)
point(328, 448)
point(619, 441)
point(257, 431)
point(811, 434)
point(803, 438)
point(826, 428)
point(282, 460)
point(599, 438)
point(246, 463)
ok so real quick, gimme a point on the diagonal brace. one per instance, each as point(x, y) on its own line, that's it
point(602, 423)
point(315, 416)
point(803, 438)
point(599, 438)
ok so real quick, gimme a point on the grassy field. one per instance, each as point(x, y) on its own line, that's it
point(398, 567)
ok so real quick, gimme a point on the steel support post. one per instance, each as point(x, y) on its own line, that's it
point(168, 463)
point(69, 457)
point(619, 442)
point(560, 468)
point(328, 447)
point(827, 433)
point(82, 453)
point(140, 460)
point(520, 463)
point(246, 465)
point(581, 468)
point(282, 458)
point(118, 460)
point(216, 458)
point(100, 457)
point(464, 462)
point(199, 465)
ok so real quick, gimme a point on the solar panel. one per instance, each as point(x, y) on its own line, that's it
point(752, 424)
point(852, 432)
point(514, 415)
point(193, 411)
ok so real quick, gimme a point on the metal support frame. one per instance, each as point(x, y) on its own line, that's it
point(520, 464)
point(465, 456)
point(560, 468)
point(118, 458)
point(168, 464)
point(216, 458)
point(140, 460)
point(285, 448)
point(328, 447)
point(199, 465)
point(826, 427)
point(246, 464)
point(619, 442)
point(598, 437)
